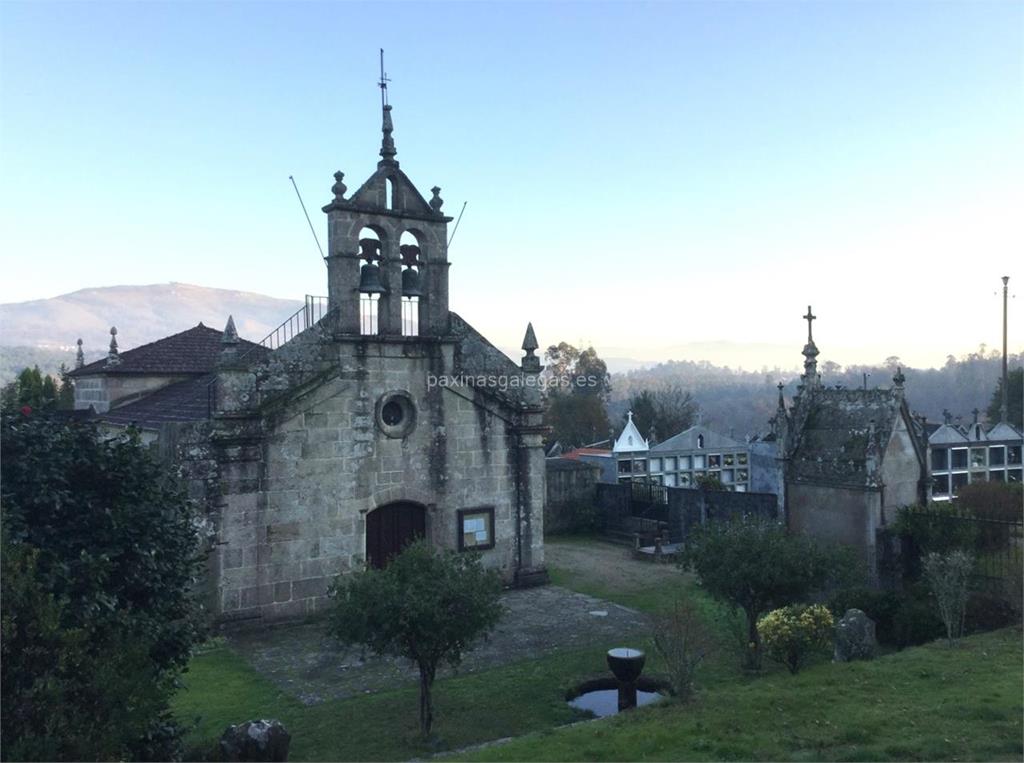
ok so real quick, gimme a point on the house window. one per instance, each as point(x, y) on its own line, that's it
point(714, 461)
point(999, 476)
point(685, 462)
point(698, 462)
point(741, 475)
point(476, 529)
point(1013, 475)
point(625, 466)
point(1014, 455)
point(700, 441)
point(670, 480)
point(959, 480)
point(997, 455)
point(685, 480)
point(741, 459)
point(977, 457)
point(670, 464)
point(940, 460)
point(728, 459)
point(655, 465)
point(727, 476)
point(641, 465)
point(940, 485)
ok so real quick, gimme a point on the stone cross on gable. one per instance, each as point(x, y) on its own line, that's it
point(809, 317)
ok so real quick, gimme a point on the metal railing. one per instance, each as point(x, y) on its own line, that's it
point(305, 317)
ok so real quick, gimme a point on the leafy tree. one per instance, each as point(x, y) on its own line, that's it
point(30, 389)
point(577, 392)
point(1014, 400)
point(757, 566)
point(66, 392)
point(97, 604)
point(668, 409)
point(426, 606)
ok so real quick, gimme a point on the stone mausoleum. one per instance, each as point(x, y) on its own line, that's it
point(372, 417)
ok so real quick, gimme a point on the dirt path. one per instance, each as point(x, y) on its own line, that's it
point(605, 565)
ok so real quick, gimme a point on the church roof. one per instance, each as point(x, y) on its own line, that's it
point(630, 441)
point(183, 401)
point(194, 351)
point(687, 440)
point(841, 429)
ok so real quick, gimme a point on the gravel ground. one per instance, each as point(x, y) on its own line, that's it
point(304, 662)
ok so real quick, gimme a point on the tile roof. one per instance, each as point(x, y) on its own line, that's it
point(194, 351)
point(182, 401)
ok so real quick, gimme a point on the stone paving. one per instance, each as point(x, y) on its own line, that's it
point(304, 662)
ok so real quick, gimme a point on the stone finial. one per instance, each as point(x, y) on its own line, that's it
point(652, 436)
point(387, 144)
point(230, 335)
point(947, 417)
point(899, 378)
point(436, 202)
point(810, 352)
point(80, 355)
point(975, 413)
point(339, 188)
point(782, 400)
point(113, 357)
point(531, 363)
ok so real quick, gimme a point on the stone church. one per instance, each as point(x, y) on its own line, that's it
point(849, 458)
point(370, 418)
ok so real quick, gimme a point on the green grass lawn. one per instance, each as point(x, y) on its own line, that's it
point(221, 688)
point(927, 703)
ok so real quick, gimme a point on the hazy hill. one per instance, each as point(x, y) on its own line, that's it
point(141, 313)
point(743, 401)
point(43, 331)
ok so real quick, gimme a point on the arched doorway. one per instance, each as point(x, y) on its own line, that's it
point(391, 528)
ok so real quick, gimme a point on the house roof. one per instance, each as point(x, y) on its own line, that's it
point(688, 438)
point(182, 401)
point(946, 434)
point(194, 351)
point(1003, 431)
point(841, 429)
point(576, 453)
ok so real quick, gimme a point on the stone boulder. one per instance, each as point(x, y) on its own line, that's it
point(255, 740)
point(855, 637)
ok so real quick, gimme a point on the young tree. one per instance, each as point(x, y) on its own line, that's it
point(426, 606)
point(757, 566)
point(948, 576)
point(66, 392)
point(669, 409)
point(98, 603)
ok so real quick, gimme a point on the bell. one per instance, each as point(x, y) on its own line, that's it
point(411, 283)
point(369, 279)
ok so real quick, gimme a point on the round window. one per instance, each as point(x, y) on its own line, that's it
point(396, 414)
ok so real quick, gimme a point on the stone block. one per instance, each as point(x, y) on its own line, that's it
point(231, 558)
point(282, 592)
point(249, 597)
point(303, 589)
point(284, 532)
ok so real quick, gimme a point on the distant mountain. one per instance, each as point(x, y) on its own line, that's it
point(142, 314)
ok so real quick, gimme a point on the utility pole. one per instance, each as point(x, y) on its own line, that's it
point(1004, 403)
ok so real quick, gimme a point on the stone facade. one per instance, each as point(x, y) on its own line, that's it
point(851, 458)
point(328, 453)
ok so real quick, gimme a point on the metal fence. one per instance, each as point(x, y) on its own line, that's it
point(997, 544)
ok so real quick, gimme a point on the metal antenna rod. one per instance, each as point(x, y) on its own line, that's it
point(457, 223)
point(311, 229)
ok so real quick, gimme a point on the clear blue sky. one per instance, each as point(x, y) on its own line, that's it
point(639, 176)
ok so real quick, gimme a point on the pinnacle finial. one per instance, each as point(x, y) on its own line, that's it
point(113, 357)
point(339, 188)
point(782, 400)
point(809, 317)
point(230, 335)
point(387, 145)
point(531, 363)
point(80, 355)
point(899, 378)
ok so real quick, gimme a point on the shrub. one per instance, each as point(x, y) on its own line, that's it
point(683, 642)
point(425, 606)
point(901, 619)
point(100, 551)
point(948, 575)
point(988, 613)
point(791, 633)
point(757, 566)
point(938, 529)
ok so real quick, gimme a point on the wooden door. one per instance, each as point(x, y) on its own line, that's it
point(391, 528)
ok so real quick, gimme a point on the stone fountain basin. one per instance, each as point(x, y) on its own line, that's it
point(626, 664)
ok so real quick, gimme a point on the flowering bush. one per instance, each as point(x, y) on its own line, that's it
point(790, 633)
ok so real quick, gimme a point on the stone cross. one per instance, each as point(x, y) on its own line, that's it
point(809, 317)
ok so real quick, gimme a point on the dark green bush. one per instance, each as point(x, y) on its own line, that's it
point(988, 613)
point(901, 619)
